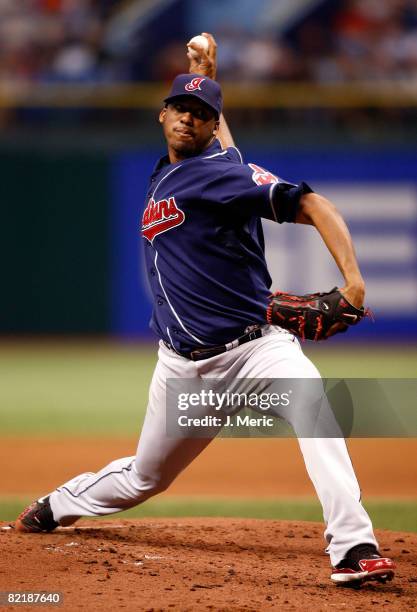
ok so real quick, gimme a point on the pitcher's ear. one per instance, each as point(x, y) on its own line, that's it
point(162, 114)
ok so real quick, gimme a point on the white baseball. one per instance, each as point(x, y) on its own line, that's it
point(201, 41)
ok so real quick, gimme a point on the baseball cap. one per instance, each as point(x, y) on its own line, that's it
point(201, 87)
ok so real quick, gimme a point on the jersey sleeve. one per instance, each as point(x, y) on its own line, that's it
point(253, 191)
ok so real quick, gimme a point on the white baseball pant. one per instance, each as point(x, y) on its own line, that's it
point(130, 481)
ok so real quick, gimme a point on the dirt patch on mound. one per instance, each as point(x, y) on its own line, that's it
point(196, 564)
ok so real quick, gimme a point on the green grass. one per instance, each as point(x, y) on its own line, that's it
point(396, 515)
point(101, 388)
point(74, 389)
point(362, 361)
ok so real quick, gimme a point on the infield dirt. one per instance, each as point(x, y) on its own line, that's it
point(196, 564)
point(241, 467)
point(201, 564)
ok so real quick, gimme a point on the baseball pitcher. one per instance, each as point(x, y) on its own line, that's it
point(215, 317)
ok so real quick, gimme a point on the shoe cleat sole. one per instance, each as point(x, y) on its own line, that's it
point(356, 580)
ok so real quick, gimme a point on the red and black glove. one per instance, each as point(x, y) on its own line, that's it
point(315, 316)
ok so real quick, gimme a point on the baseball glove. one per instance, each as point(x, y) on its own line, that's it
point(315, 316)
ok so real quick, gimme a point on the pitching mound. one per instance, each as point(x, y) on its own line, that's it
point(196, 564)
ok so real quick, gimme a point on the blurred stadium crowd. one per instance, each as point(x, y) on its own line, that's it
point(52, 40)
point(340, 41)
point(347, 40)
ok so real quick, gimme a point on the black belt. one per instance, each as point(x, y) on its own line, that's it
point(206, 353)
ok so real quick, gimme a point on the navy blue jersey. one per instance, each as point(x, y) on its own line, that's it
point(204, 245)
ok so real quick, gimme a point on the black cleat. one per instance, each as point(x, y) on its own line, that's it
point(36, 518)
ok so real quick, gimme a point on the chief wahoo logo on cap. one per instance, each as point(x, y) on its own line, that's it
point(194, 84)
